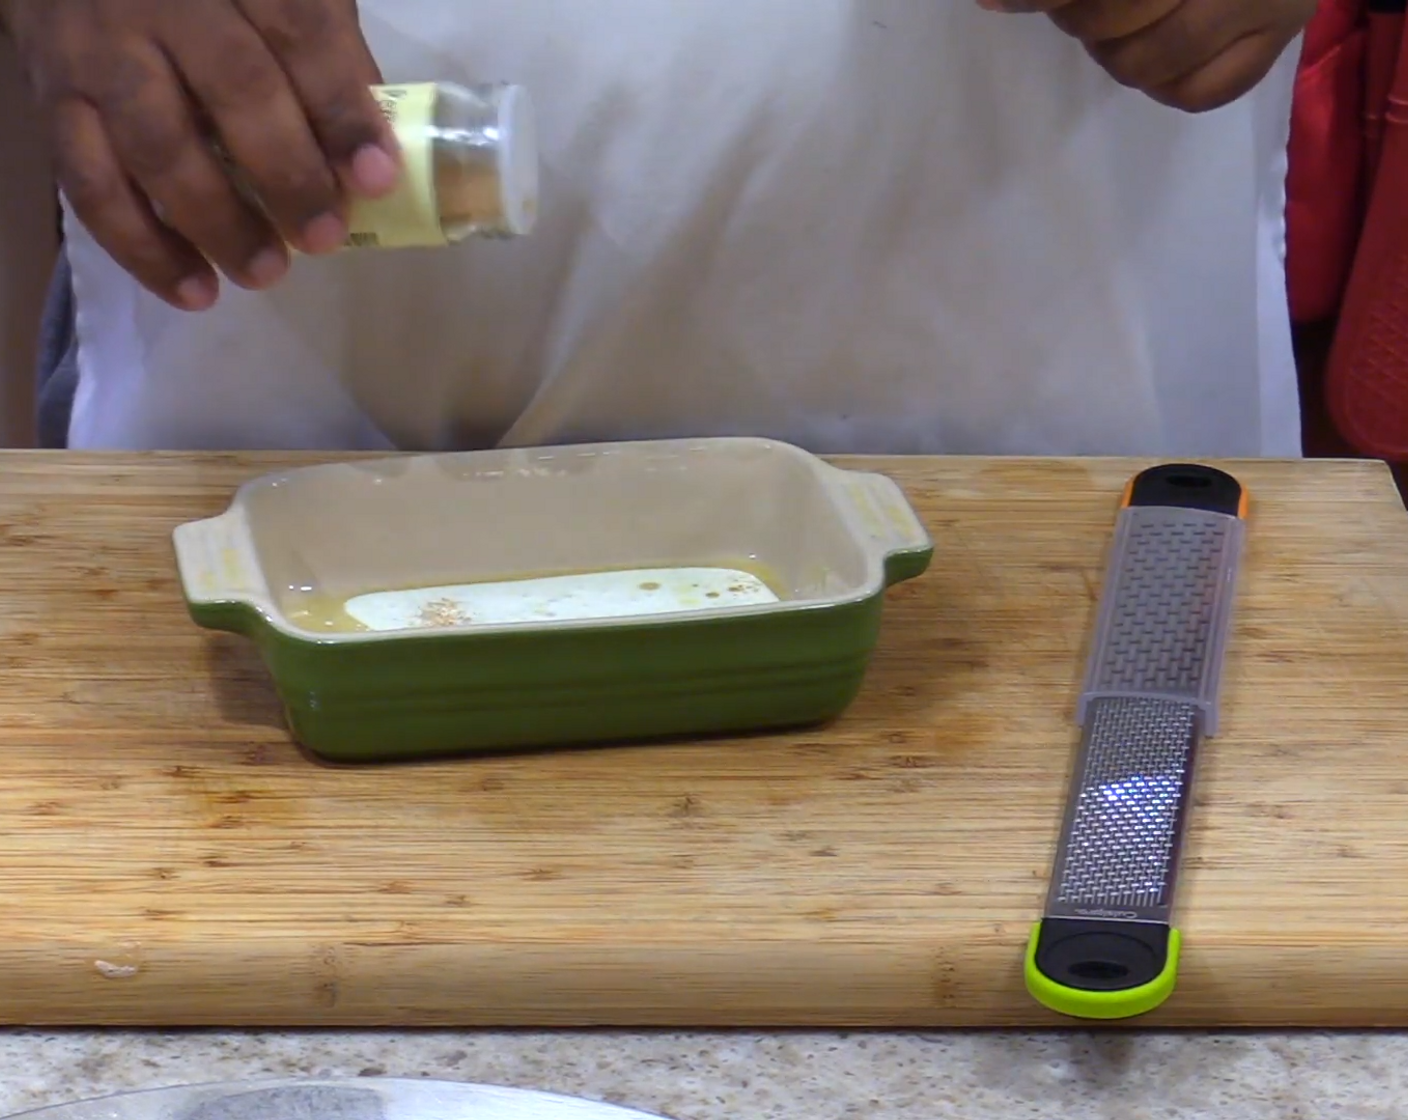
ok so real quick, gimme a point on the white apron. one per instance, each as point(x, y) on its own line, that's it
point(901, 226)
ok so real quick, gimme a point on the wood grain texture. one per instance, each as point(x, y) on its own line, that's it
point(169, 859)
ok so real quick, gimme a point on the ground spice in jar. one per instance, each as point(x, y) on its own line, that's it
point(471, 167)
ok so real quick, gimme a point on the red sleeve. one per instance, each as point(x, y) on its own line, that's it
point(1325, 183)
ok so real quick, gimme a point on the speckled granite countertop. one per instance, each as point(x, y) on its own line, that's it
point(789, 1077)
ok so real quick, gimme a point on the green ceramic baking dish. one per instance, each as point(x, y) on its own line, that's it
point(777, 563)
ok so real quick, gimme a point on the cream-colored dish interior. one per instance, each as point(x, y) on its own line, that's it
point(328, 534)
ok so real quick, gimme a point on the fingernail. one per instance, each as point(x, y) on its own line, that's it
point(327, 233)
point(374, 171)
point(266, 268)
point(197, 293)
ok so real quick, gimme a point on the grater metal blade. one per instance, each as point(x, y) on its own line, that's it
point(1118, 855)
point(1106, 947)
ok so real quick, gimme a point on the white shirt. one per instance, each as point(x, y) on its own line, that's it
point(899, 226)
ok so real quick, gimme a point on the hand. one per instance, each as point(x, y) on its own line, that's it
point(1194, 55)
point(135, 91)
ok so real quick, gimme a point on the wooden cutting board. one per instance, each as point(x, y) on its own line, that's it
point(168, 858)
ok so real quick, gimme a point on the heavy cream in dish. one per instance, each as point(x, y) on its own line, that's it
point(638, 593)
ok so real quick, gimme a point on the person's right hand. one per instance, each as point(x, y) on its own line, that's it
point(135, 91)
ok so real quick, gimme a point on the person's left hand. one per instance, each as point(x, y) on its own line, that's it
point(1194, 55)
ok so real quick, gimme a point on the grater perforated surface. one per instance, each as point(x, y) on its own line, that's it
point(1120, 844)
point(1159, 627)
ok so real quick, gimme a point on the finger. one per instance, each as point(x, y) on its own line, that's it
point(1177, 46)
point(320, 46)
point(119, 218)
point(245, 95)
point(1023, 7)
point(1097, 21)
point(154, 136)
point(1229, 76)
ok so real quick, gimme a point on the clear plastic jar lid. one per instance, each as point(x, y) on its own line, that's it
point(517, 149)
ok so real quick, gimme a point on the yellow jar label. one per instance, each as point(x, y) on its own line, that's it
point(409, 215)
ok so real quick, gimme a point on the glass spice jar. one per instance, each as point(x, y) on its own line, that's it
point(470, 163)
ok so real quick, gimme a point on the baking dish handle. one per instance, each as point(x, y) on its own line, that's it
point(219, 571)
point(891, 524)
